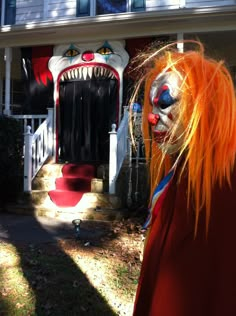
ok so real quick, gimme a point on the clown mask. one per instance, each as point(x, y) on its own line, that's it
point(164, 95)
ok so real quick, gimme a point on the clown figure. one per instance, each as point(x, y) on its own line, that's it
point(189, 130)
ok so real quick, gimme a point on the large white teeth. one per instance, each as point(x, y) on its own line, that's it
point(85, 73)
point(96, 72)
point(90, 72)
point(80, 73)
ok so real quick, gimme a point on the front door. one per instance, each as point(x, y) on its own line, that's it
point(87, 108)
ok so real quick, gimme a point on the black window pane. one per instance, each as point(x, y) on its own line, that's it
point(10, 13)
point(138, 5)
point(110, 6)
point(0, 12)
point(83, 7)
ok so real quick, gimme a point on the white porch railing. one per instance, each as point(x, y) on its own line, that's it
point(118, 150)
point(32, 120)
point(38, 145)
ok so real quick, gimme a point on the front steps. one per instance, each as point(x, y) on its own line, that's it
point(93, 205)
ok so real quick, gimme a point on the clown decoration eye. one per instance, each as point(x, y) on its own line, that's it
point(71, 52)
point(104, 50)
point(164, 98)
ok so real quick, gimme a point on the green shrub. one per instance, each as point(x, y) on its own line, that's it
point(11, 161)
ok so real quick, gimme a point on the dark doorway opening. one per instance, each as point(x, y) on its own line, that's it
point(86, 111)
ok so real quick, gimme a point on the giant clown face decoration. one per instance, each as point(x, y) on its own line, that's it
point(88, 82)
point(164, 96)
point(88, 61)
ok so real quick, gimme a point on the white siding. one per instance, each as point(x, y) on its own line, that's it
point(156, 5)
point(61, 9)
point(29, 11)
point(38, 10)
point(208, 3)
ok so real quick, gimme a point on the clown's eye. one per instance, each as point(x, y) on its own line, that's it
point(163, 98)
point(71, 53)
point(105, 51)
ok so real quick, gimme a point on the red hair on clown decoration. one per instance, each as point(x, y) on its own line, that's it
point(187, 98)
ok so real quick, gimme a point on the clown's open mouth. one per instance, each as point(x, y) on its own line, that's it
point(87, 73)
point(163, 137)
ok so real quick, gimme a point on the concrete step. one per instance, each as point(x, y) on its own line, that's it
point(98, 206)
point(43, 183)
point(67, 213)
point(89, 200)
point(50, 170)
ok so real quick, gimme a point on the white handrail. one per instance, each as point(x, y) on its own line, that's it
point(38, 144)
point(38, 147)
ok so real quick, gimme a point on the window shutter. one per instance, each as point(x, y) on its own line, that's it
point(83, 8)
point(138, 5)
point(10, 13)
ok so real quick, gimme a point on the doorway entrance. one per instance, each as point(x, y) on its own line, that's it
point(86, 111)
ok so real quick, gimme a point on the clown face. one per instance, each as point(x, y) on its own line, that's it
point(164, 95)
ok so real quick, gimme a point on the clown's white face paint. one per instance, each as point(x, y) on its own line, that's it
point(85, 61)
point(164, 96)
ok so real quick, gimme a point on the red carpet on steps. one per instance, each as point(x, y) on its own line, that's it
point(75, 181)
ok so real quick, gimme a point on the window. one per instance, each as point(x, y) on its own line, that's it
point(138, 5)
point(110, 6)
point(83, 8)
point(0, 12)
point(10, 12)
point(100, 7)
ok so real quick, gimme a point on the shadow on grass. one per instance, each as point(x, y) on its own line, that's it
point(59, 286)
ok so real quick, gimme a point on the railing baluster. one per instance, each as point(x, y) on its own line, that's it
point(32, 124)
point(38, 146)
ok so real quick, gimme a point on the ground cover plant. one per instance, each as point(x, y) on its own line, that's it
point(92, 276)
point(11, 149)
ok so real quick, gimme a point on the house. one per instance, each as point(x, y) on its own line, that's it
point(59, 54)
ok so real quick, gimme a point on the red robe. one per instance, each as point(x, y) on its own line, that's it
point(186, 276)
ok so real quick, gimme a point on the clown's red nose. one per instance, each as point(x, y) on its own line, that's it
point(153, 118)
point(88, 56)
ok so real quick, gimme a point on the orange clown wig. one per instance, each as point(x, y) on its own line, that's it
point(207, 112)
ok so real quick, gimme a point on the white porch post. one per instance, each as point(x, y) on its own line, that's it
point(51, 132)
point(28, 160)
point(8, 59)
point(113, 160)
point(180, 46)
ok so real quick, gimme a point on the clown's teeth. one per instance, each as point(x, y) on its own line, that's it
point(80, 73)
point(96, 72)
point(90, 72)
point(84, 73)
